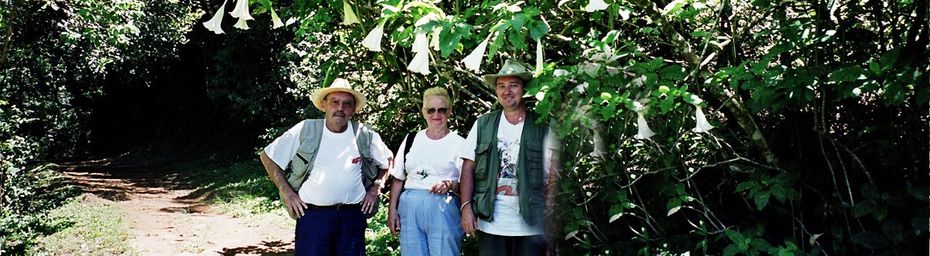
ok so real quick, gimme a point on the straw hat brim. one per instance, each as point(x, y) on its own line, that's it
point(321, 93)
point(491, 80)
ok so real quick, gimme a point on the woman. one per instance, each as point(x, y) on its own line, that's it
point(427, 212)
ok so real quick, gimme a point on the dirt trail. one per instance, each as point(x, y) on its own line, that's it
point(167, 217)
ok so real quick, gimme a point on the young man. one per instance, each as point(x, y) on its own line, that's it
point(335, 168)
point(505, 172)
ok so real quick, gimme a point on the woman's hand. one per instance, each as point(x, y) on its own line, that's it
point(442, 187)
point(393, 222)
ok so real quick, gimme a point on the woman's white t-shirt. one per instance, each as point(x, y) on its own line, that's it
point(429, 161)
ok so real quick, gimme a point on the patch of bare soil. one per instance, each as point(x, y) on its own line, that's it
point(167, 217)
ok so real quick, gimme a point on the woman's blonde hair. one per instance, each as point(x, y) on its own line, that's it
point(437, 91)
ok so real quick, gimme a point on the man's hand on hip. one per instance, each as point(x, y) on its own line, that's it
point(295, 205)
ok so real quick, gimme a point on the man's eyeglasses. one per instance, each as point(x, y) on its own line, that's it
point(443, 111)
point(345, 104)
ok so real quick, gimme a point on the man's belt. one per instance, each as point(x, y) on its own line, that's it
point(334, 207)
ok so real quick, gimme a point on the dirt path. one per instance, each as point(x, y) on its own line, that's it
point(166, 217)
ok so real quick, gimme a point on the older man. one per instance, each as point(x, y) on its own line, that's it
point(334, 171)
point(505, 171)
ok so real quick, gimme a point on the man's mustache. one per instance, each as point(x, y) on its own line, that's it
point(339, 114)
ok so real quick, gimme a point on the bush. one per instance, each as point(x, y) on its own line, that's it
point(28, 196)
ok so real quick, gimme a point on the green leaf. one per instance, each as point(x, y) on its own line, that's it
point(761, 199)
point(731, 250)
point(518, 21)
point(654, 64)
point(863, 208)
point(870, 240)
point(610, 37)
point(609, 111)
point(874, 67)
point(516, 39)
point(672, 72)
point(846, 74)
point(760, 244)
point(893, 229)
point(615, 213)
point(889, 58)
point(448, 41)
point(735, 236)
point(746, 185)
point(494, 46)
point(538, 29)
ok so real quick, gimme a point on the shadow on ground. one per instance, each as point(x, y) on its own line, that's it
point(265, 248)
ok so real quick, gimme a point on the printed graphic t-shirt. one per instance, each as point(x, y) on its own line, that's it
point(507, 220)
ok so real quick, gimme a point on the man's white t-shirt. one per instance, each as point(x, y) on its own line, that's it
point(429, 161)
point(336, 175)
point(507, 220)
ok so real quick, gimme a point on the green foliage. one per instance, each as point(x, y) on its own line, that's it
point(89, 226)
point(28, 196)
point(56, 58)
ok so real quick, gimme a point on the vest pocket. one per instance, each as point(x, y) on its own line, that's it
point(534, 166)
point(481, 161)
point(299, 168)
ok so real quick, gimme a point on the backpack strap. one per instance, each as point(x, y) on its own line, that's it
point(409, 143)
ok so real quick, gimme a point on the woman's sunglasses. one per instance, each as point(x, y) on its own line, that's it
point(433, 110)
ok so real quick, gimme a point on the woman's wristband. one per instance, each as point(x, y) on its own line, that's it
point(463, 205)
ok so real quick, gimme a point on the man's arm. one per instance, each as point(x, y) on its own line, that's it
point(467, 188)
point(371, 197)
point(295, 206)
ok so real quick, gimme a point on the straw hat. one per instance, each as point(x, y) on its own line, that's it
point(510, 68)
point(338, 85)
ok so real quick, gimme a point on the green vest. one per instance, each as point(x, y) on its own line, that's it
point(530, 183)
point(298, 170)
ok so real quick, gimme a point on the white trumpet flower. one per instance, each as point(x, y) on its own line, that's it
point(215, 23)
point(596, 5)
point(275, 20)
point(702, 125)
point(434, 39)
point(242, 10)
point(473, 60)
point(644, 131)
point(420, 63)
point(373, 40)
point(539, 58)
point(420, 43)
point(599, 148)
point(696, 100)
point(348, 16)
point(241, 24)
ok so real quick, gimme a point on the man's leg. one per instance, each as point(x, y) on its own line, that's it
point(314, 234)
point(530, 245)
point(493, 245)
point(350, 240)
